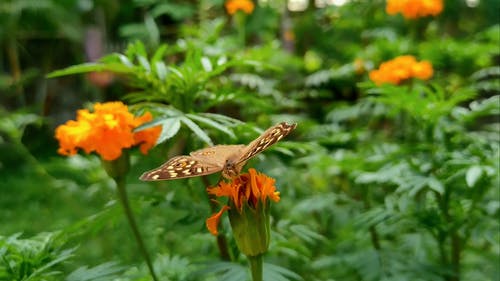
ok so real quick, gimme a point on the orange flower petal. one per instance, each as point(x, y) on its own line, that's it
point(107, 130)
point(412, 9)
point(399, 69)
point(423, 70)
point(72, 135)
point(223, 189)
point(146, 138)
point(269, 190)
point(213, 222)
point(247, 188)
point(254, 187)
point(232, 6)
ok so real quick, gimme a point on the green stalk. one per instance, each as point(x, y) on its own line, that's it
point(239, 18)
point(122, 194)
point(15, 66)
point(372, 229)
point(456, 251)
point(117, 169)
point(256, 267)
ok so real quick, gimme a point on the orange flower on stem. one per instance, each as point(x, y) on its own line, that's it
point(248, 209)
point(250, 189)
point(232, 6)
point(412, 9)
point(400, 69)
point(107, 130)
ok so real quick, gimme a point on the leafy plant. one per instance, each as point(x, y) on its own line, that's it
point(37, 258)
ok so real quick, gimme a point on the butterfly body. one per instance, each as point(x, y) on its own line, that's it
point(216, 155)
point(228, 159)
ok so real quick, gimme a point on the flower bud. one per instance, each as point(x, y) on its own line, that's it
point(251, 227)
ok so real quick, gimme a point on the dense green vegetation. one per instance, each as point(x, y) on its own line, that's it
point(379, 181)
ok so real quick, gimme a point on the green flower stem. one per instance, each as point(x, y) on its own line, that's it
point(117, 170)
point(122, 194)
point(240, 18)
point(256, 267)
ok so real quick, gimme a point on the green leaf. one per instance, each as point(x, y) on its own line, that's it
point(435, 185)
point(136, 49)
point(170, 127)
point(225, 271)
point(143, 61)
point(102, 272)
point(159, 53)
point(174, 10)
point(161, 70)
point(226, 120)
point(212, 123)
point(273, 272)
point(152, 29)
point(124, 60)
point(62, 256)
point(176, 72)
point(305, 233)
point(473, 174)
point(197, 130)
point(91, 67)
point(207, 65)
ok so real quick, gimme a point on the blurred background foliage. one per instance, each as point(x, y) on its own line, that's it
point(377, 182)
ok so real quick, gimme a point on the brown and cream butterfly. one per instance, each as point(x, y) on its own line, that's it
point(229, 159)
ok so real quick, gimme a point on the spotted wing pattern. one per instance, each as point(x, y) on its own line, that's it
point(180, 167)
point(216, 158)
point(266, 139)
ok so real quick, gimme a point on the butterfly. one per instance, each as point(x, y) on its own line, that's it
point(228, 159)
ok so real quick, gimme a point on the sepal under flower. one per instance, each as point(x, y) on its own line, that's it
point(251, 229)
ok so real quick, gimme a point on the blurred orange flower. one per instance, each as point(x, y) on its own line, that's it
point(232, 6)
point(400, 69)
point(100, 79)
point(106, 130)
point(249, 189)
point(412, 9)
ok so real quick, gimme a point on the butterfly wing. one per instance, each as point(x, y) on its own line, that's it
point(266, 139)
point(217, 155)
point(181, 167)
point(215, 159)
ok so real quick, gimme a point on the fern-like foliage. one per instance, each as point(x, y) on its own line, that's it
point(38, 258)
point(101, 272)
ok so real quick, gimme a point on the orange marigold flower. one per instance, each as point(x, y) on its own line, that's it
point(232, 6)
point(423, 70)
point(146, 138)
point(401, 68)
point(106, 130)
point(250, 189)
point(412, 9)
